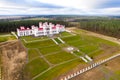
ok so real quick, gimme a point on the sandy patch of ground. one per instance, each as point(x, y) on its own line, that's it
point(13, 59)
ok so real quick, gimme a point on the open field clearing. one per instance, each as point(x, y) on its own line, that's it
point(50, 61)
point(6, 37)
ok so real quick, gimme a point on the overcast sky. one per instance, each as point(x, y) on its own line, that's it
point(75, 7)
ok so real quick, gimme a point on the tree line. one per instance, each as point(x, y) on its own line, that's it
point(8, 26)
point(107, 27)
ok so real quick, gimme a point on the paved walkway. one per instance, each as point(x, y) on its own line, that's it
point(14, 35)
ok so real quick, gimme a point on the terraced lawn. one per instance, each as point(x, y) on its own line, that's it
point(58, 70)
point(32, 38)
point(48, 50)
point(96, 52)
point(77, 53)
point(65, 34)
point(78, 43)
point(32, 53)
point(40, 44)
point(71, 38)
point(59, 57)
point(57, 40)
point(88, 49)
point(55, 54)
point(35, 67)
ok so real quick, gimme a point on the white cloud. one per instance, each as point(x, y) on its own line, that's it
point(110, 11)
point(78, 4)
point(79, 7)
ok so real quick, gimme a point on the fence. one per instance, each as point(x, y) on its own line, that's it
point(89, 67)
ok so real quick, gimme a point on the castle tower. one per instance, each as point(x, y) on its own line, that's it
point(40, 24)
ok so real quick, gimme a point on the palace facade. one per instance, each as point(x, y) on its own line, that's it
point(44, 29)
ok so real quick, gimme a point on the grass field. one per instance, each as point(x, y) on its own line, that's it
point(6, 37)
point(33, 53)
point(39, 65)
point(48, 61)
point(30, 38)
point(50, 49)
point(58, 58)
point(40, 44)
point(58, 70)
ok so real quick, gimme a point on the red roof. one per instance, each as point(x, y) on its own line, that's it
point(57, 24)
point(54, 27)
point(22, 28)
point(60, 26)
point(40, 28)
point(28, 28)
point(33, 26)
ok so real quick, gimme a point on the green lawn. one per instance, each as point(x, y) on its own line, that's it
point(57, 40)
point(55, 55)
point(6, 38)
point(2, 39)
point(32, 53)
point(40, 44)
point(48, 50)
point(89, 44)
point(35, 67)
point(58, 70)
point(32, 38)
point(77, 53)
point(96, 52)
point(65, 34)
point(59, 57)
point(88, 49)
point(71, 38)
point(78, 43)
point(118, 72)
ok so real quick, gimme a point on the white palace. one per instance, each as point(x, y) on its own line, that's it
point(44, 29)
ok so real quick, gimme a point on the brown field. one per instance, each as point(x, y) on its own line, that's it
point(13, 58)
point(106, 71)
